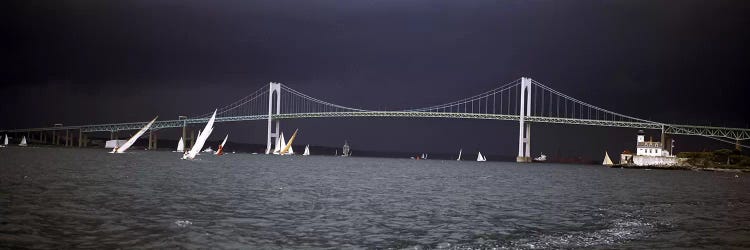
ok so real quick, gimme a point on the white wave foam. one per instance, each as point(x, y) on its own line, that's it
point(183, 223)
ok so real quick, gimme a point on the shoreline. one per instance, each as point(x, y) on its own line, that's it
point(689, 168)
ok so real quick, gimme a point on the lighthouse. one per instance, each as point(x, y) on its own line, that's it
point(641, 136)
point(648, 148)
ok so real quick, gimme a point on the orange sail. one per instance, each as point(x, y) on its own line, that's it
point(288, 145)
point(221, 146)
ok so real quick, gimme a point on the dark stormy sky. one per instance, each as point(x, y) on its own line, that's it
point(82, 62)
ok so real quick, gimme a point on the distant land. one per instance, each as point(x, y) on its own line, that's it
point(468, 155)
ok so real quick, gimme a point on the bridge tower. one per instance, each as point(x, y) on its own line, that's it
point(274, 88)
point(524, 128)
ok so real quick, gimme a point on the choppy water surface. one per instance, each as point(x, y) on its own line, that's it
point(86, 198)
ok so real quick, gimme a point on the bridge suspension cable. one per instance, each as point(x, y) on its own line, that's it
point(547, 105)
point(572, 107)
point(298, 102)
point(467, 104)
point(255, 103)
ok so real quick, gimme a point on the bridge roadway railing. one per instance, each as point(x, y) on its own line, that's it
point(473, 116)
point(731, 133)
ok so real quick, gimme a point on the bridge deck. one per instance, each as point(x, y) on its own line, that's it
point(731, 133)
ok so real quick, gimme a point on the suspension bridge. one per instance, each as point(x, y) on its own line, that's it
point(524, 100)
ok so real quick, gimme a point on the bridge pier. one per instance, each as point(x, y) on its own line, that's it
point(150, 139)
point(527, 152)
point(192, 138)
point(184, 132)
point(80, 138)
point(663, 139)
point(524, 128)
point(274, 88)
point(67, 138)
point(737, 145)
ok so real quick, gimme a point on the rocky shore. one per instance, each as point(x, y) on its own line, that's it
point(723, 160)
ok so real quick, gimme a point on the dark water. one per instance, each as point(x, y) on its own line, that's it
point(73, 198)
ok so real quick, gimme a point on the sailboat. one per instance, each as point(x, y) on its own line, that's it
point(220, 151)
point(459, 154)
point(280, 144)
point(480, 157)
point(180, 146)
point(125, 146)
point(201, 140)
point(607, 161)
point(291, 149)
point(287, 147)
point(307, 150)
point(541, 158)
point(5, 143)
point(23, 142)
point(345, 149)
point(199, 135)
point(277, 145)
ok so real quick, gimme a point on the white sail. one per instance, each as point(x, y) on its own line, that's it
point(202, 137)
point(307, 150)
point(225, 141)
point(277, 146)
point(23, 142)
point(480, 157)
point(459, 154)
point(6, 140)
point(132, 139)
point(181, 145)
point(607, 161)
point(283, 141)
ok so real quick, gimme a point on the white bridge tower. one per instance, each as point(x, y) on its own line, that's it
point(274, 88)
point(524, 139)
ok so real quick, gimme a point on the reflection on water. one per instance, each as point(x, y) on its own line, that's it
point(85, 198)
